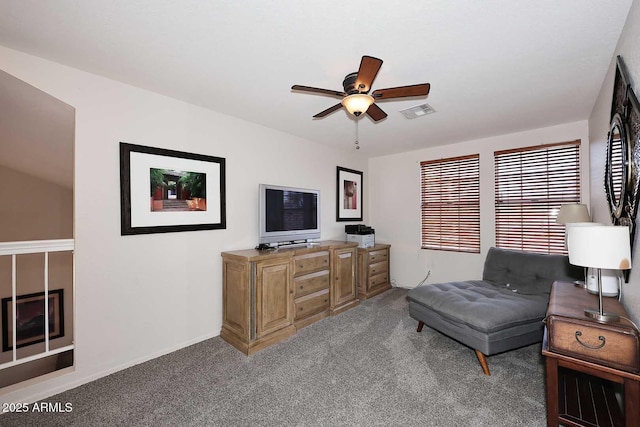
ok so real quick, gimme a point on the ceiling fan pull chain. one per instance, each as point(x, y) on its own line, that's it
point(357, 139)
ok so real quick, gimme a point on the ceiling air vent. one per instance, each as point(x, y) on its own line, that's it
point(417, 111)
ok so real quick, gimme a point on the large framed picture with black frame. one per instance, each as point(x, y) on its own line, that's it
point(165, 191)
point(348, 195)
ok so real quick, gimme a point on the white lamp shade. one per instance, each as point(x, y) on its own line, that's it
point(357, 103)
point(574, 212)
point(576, 224)
point(583, 224)
point(600, 246)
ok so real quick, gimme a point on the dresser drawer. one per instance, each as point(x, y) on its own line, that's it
point(378, 256)
point(378, 280)
point(308, 263)
point(378, 268)
point(310, 283)
point(612, 345)
point(311, 304)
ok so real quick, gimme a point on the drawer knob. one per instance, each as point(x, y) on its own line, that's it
point(592, 347)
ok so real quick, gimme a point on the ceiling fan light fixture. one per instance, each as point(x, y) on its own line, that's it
point(357, 103)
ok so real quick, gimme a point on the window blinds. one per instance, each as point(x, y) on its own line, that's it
point(530, 186)
point(450, 199)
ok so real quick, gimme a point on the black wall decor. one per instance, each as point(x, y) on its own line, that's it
point(621, 178)
point(164, 191)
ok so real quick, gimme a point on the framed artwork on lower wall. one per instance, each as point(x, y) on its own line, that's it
point(348, 195)
point(30, 321)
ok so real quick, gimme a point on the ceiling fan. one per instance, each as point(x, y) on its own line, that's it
point(356, 98)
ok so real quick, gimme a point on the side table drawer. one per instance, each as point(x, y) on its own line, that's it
point(378, 256)
point(378, 280)
point(378, 268)
point(607, 344)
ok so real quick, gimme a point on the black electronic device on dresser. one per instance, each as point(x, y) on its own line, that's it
point(362, 234)
point(358, 229)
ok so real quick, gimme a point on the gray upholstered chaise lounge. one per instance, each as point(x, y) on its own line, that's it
point(501, 312)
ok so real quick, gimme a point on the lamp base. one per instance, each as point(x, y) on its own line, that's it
point(601, 316)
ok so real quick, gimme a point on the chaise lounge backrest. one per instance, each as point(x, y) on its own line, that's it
point(527, 273)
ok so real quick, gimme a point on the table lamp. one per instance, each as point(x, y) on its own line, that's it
point(600, 246)
point(573, 212)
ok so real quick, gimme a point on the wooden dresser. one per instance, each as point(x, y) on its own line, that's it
point(592, 368)
point(269, 295)
point(373, 270)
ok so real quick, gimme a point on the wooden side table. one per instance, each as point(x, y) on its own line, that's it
point(584, 392)
point(373, 270)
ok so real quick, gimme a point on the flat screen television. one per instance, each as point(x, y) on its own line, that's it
point(288, 214)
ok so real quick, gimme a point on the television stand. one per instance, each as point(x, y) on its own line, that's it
point(288, 244)
point(292, 244)
point(269, 295)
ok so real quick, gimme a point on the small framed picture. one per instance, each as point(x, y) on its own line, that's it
point(30, 319)
point(165, 191)
point(349, 195)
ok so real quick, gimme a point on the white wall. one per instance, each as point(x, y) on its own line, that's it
point(138, 297)
point(33, 208)
point(629, 48)
point(394, 183)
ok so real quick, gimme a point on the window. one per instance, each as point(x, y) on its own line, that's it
point(531, 184)
point(451, 204)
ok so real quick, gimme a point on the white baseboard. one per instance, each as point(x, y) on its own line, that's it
point(36, 389)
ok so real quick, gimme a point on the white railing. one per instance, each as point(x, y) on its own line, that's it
point(13, 249)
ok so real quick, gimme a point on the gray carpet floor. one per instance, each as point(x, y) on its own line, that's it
point(365, 367)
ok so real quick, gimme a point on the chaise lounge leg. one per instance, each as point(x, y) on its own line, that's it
point(420, 325)
point(483, 362)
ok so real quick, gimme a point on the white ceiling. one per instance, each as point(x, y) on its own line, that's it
point(495, 66)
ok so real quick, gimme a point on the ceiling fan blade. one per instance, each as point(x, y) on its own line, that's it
point(369, 67)
point(402, 91)
point(376, 113)
point(318, 90)
point(328, 111)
